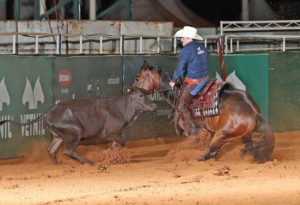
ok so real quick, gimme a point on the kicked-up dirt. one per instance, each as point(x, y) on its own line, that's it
point(156, 171)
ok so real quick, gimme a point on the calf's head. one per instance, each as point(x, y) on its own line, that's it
point(139, 101)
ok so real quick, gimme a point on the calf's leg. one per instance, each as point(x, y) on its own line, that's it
point(70, 151)
point(119, 139)
point(53, 147)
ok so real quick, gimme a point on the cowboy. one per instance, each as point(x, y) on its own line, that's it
point(193, 65)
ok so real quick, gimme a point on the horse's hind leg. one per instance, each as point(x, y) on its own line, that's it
point(217, 142)
point(248, 144)
point(53, 147)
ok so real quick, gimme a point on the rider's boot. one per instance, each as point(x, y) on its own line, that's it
point(187, 117)
point(182, 109)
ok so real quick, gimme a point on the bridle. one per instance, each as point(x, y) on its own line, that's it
point(139, 84)
point(163, 77)
point(142, 83)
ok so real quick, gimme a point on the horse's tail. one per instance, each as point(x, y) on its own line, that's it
point(26, 123)
point(263, 142)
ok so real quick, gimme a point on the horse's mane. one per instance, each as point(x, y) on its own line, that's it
point(156, 69)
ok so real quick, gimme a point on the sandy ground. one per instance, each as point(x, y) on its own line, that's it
point(157, 171)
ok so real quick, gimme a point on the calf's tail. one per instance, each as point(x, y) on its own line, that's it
point(26, 123)
point(264, 142)
point(4, 121)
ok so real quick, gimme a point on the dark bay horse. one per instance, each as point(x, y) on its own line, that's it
point(239, 118)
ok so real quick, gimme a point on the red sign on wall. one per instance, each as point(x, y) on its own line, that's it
point(64, 78)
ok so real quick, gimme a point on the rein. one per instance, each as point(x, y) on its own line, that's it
point(170, 96)
point(165, 90)
point(159, 91)
point(164, 87)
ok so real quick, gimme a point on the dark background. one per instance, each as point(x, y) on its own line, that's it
point(211, 10)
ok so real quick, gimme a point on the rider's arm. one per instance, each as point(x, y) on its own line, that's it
point(181, 66)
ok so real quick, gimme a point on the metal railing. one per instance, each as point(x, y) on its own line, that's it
point(250, 26)
point(64, 44)
point(261, 43)
point(58, 43)
point(242, 36)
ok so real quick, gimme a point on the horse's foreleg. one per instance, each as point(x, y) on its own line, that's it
point(214, 147)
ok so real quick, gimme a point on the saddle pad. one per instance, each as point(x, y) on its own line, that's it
point(207, 105)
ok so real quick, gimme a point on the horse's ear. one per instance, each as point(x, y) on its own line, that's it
point(145, 65)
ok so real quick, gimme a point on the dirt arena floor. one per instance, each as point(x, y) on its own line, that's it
point(157, 171)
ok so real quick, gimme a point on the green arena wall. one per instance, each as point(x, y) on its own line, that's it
point(31, 85)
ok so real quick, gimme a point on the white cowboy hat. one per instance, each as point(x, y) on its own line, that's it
point(188, 32)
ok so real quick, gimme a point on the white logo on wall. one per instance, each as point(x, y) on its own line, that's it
point(155, 97)
point(113, 80)
point(5, 130)
point(30, 96)
point(33, 96)
point(4, 96)
point(232, 78)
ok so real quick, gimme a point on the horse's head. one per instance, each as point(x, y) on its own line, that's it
point(148, 78)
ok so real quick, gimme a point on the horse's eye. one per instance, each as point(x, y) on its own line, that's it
point(137, 79)
point(141, 96)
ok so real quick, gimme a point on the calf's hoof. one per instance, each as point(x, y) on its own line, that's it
point(202, 158)
point(53, 158)
point(90, 163)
